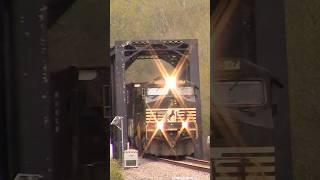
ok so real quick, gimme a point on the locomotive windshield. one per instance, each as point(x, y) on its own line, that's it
point(170, 98)
point(183, 91)
point(240, 93)
point(156, 91)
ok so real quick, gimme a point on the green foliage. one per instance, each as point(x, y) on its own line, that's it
point(147, 71)
point(167, 19)
point(115, 171)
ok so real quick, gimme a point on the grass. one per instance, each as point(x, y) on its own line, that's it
point(115, 171)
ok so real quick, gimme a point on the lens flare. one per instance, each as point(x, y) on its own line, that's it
point(159, 125)
point(170, 79)
point(185, 124)
point(171, 82)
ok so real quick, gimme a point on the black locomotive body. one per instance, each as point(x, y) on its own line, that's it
point(162, 121)
point(243, 110)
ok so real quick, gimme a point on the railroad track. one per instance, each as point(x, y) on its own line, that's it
point(188, 162)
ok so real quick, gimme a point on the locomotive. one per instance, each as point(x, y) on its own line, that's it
point(244, 106)
point(249, 111)
point(162, 117)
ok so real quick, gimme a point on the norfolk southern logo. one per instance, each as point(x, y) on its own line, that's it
point(171, 115)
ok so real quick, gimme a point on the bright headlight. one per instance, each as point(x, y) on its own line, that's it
point(171, 82)
point(185, 124)
point(159, 125)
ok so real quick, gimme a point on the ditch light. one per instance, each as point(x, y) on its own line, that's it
point(185, 124)
point(160, 125)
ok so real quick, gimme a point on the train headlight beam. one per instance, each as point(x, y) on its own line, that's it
point(171, 82)
point(160, 125)
point(185, 124)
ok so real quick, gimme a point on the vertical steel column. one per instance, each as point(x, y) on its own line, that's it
point(30, 124)
point(9, 98)
point(194, 77)
point(120, 92)
point(271, 54)
point(3, 142)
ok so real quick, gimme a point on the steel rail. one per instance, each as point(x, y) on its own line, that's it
point(198, 161)
point(190, 163)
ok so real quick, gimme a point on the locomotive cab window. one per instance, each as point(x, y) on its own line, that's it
point(186, 91)
point(250, 93)
point(183, 91)
point(156, 91)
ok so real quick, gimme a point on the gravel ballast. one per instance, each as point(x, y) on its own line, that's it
point(157, 170)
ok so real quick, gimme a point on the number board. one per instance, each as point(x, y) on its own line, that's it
point(229, 64)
